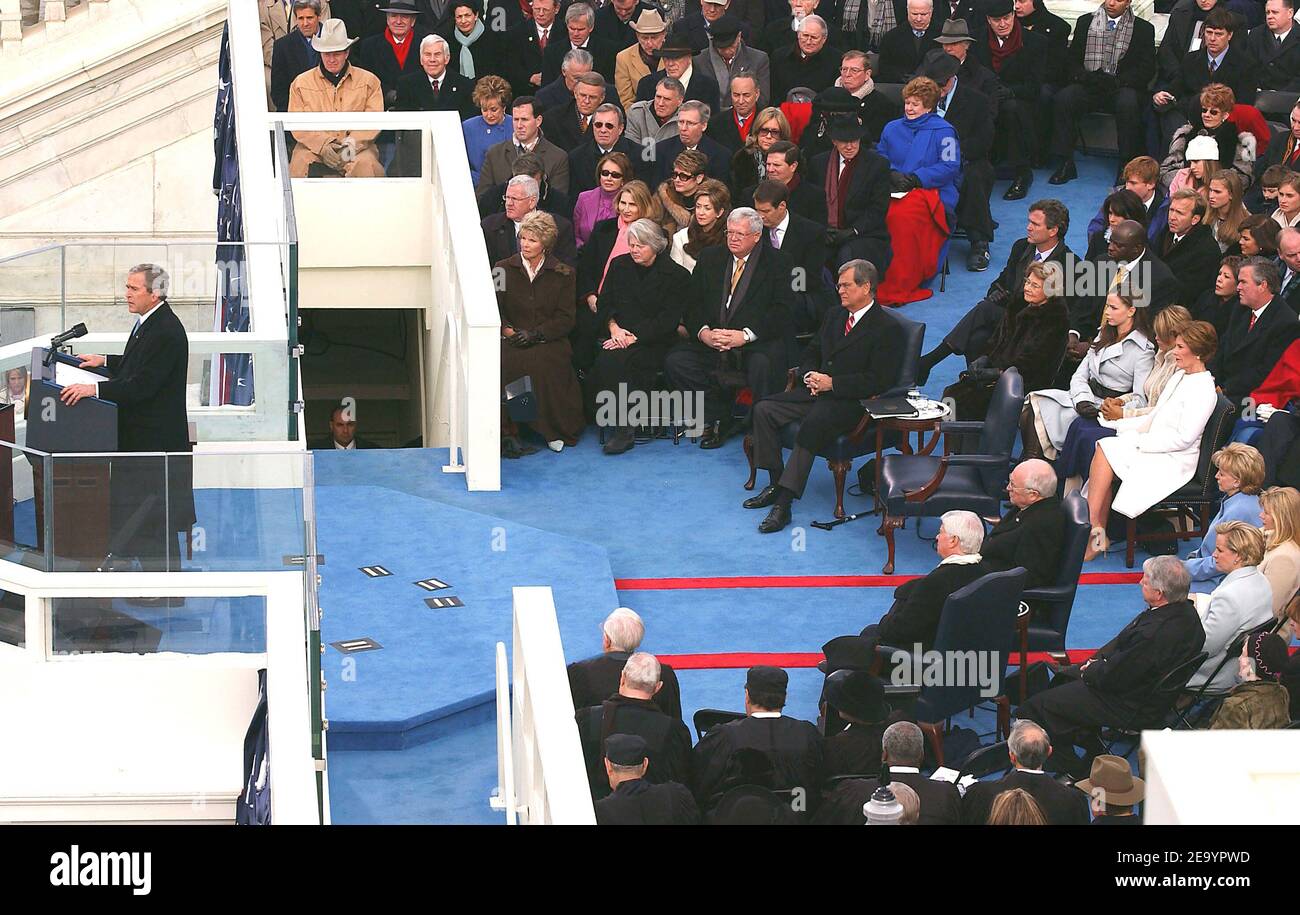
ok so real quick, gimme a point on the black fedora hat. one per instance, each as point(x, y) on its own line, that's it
point(939, 66)
point(675, 45)
point(846, 652)
point(399, 6)
point(858, 694)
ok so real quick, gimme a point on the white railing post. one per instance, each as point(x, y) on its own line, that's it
point(550, 774)
point(11, 24)
point(505, 799)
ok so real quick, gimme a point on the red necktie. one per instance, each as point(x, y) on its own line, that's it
point(541, 39)
point(1252, 323)
point(848, 324)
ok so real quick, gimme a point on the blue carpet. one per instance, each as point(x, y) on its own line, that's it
point(577, 519)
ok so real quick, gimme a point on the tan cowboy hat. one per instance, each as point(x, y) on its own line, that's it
point(1114, 777)
point(333, 36)
point(649, 23)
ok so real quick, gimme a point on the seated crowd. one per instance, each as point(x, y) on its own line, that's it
point(725, 229)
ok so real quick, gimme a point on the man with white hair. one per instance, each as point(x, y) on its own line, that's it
point(903, 48)
point(1029, 749)
point(633, 711)
point(437, 87)
point(1117, 683)
point(579, 21)
point(501, 230)
point(739, 325)
point(918, 604)
point(808, 61)
point(596, 679)
point(1032, 534)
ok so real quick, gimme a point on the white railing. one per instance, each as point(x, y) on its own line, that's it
point(542, 775)
point(1222, 778)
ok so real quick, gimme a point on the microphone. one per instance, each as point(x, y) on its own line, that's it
point(71, 333)
point(58, 340)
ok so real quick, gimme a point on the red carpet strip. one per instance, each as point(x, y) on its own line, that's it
point(821, 581)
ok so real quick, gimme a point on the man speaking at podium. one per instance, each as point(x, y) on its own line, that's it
point(147, 382)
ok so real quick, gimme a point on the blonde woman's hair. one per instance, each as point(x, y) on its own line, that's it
point(1283, 503)
point(1244, 462)
point(1246, 540)
point(1016, 807)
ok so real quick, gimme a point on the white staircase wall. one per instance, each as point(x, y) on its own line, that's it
point(106, 122)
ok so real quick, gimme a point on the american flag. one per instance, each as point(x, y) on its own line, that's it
point(232, 375)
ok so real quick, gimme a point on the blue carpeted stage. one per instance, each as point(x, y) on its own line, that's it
point(577, 521)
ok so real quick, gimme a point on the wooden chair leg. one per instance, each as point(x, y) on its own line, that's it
point(1004, 716)
point(934, 733)
point(840, 469)
point(189, 544)
point(888, 526)
point(1131, 548)
point(748, 445)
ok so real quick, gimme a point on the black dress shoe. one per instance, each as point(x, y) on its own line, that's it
point(1066, 172)
point(1020, 187)
point(776, 519)
point(622, 440)
point(716, 435)
point(763, 499)
point(978, 259)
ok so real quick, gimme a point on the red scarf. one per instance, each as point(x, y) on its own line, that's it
point(526, 7)
point(1010, 45)
point(400, 50)
point(743, 126)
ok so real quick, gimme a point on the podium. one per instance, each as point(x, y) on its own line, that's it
point(80, 498)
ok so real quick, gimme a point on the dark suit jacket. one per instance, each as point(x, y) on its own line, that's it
point(1276, 68)
point(703, 88)
point(1127, 668)
point(854, 750)
point(723, 128)
point(804, 246)
point(602, 52)
point(1024, 72)
point(596, 679)
point(1237, 72)
point(290, 57)
point(918, 604)
point(415, 93)
point(940, 801)
point(521, 57)
point(1009, 285)
point(793, 746)
point(486, 51)
point(583, 159)
point(555, 94)
point(790, 69)
point(901, 52)
point(668, 742)
point(1032, 537)
point(432, 21)
point(640, 802)
point(863, 364)
point(1194, 261)
point(667, 150)
point(1056, 30)
point(362, 17)
point(1246, 355)
point(549, 200)
point(376, 55)
point(972, 114)
point(613, 30)
point(1061, 806)
point(763, 298)
point(1136, 67)
point(867, 200)
point(510, 15)
point(560, 126)
point(147, 382)
point(499, 235)
point(1154, 282)
point(1176, 43)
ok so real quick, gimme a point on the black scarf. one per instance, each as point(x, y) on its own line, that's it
point(334, 79)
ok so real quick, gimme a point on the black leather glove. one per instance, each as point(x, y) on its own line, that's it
point(1087, 409)
point(1004, 93)
point(982, 362)
point(839, 237)
point(899, 183)
point(390, 99)
point(522, 339)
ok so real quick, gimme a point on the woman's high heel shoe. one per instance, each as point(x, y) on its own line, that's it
point(1098, 544)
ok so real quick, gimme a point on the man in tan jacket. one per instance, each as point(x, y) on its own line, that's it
point(632, 63)
point(336, 85)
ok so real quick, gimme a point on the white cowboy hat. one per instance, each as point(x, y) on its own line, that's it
point(333, 36)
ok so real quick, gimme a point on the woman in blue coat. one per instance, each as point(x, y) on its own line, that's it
point(925, 171)
point(1240, 475)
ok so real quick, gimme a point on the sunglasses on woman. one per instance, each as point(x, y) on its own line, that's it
point(606, 173)
point(684, 176)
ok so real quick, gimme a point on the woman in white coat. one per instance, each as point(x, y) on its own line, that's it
point(1241, 602)
point(1279, 509)
point(1154, 455)
point(1117, 363)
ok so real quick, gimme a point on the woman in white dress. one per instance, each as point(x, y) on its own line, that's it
point(1154, 455)
point(1117, 363)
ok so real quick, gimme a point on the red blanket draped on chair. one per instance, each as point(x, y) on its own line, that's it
point(919, 218)
point(1283, 382)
